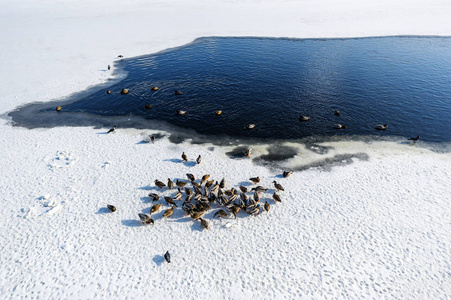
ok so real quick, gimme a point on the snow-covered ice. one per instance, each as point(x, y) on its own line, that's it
point(378, 227)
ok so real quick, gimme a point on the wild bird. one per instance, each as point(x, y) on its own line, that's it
point(339, 126)
point(159, 184)
point(147, 106)
point(180, 183)
point(178, 195)
point(259, 189)
point(278, 186)
point(112, 130)
point(154, 88)
point(109, 67)
point(180, 112)
point(303, 118)
point(170, 184)
point(120, 56)
point(276, 197)
point(168, 212)
point(414, 139)
point(154, 197)
point(169, 201)
point(196, 215)
point(190, 176)
point(152, 138)
point(167, 256)
point(108, 92)
point(184, 157)
point(243, 189)
point(199, 159)
point(381, 127)
point(58, 108)
point(221, 213)
point(255, 180)
point(145, 219)
point(204, 178)
point(287, 173)
point(218, 112)
point(155, 208)
point(249, 126)
point(222, 183)
point(235, 210)
point(112, 208)
point(124, 91)
point(177, 93)
point(248, 152)
point(337, 113)
point(209, 183)
point(267, 206)
point(204, 223)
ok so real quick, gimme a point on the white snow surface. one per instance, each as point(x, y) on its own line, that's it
point(376, 228)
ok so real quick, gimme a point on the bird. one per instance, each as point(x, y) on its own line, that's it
point(120, 56)
point(124, 91)
point(190, 176)
point(155, 208)
point(112, 208)
point(199, 159)
point(204, 223)
point(159, 184)
point(146, 219)
point(154, 88)
point(414, 139)
point(178, 195)
point(221, 213)
point(205, 178)
point(337, 113)
point(259, 189)
point(170, 184)
point(147, 106)
point(218, 112)
point(169, 201)
point(249, 126)
point(180, 112)
point(255, 180)
point(109, 67)
point(108, 92)
point(180, 183)
point(248, 152)
point(152, 138)
point(303, 118)
point(339, 126)
point(243, 189)
point(278, 186)
point(168, 212)
point(381, 127)
point(176, 92)
point(267, 206)
point(196, 215)
point(112, 130)
point(58, 108)
point(222, 183)
point(276, 197)
point(209, 183)
point(287, 173)
point(184, 157)
point(167, 256)
point(235, 209)
point(154, 197)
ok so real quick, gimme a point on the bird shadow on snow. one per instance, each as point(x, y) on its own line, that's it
point(103, 210)
point(158, 259)
point(189, 164)
point(131, 223)
point(102, 132)
point(148, 188)
point(277, 176)
point(246, 183)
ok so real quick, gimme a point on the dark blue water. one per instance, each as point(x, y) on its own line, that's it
point(404, 82)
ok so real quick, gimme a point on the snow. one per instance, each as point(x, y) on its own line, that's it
point(378, 227)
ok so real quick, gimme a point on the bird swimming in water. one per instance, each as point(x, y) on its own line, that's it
point(337, 113)
point(167, 256)
point(255, 180)
point(112, 130)
point(168, 212)
point(287, 173)
point(108, 92)
point(415, 139)
point(180, 112)
point(58, 108)
point(178, 92)
point(146, 219)
point(170, 184)
point(199, 159)
point(154, 88)
point(147, 106)
point(278, 186)
point(303, 118)
point(339, 126)
point(124, 91)
point(112, 208)
point(155, 208)
point(267, 206)
point(218, 112)
point(381, 127)
point(159, 184)
point(249, 126)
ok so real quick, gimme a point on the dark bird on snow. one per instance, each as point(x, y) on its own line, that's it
point(169, 201)
point(243, 189)
point(278, 186)
point(155, 208)
point(235, 210)
point(112, 130)
point(167, 256)
point(154, 197)
point(267, 206)
point(184, 157)
point(204, 223)
point(199, 159)
point(180, 183)
point(178, 195)
point(145, 219)
point(259, 189)
point(414, 139)
point(196, 215)
point(170, 184)
point(112, 208)
point(248, 152)
point(221, 213)
point(177, 93)
point(152, 138)
point(120, 56)
point(204, 178)
point(222, 183)
point(255, 180)
point(190, 177)
point(168, 212)
point(287, 173)
point(109, 67)
point(159, 184)
point(276, 197)
point(209, 183)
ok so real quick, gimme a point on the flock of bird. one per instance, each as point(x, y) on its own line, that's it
point(202, 195)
